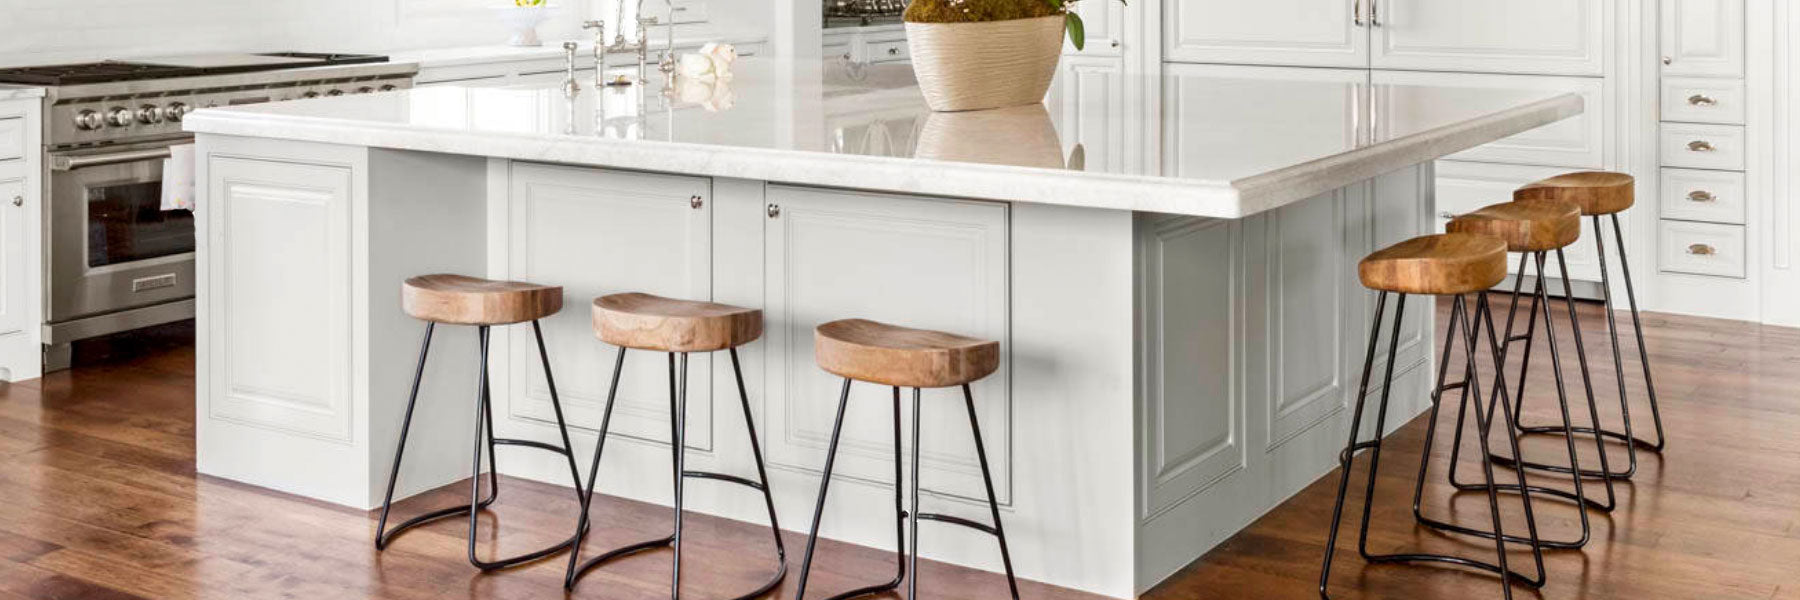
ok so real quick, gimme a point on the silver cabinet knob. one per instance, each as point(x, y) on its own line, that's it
point(1701, 196)
point(1701, 100)
point(774, 211)
point(1668, 60)
point(1115, 43)
point(88, 120)
point(18, 200)
point(696, 202)
point(1701, 250)
point(119, 116)
point(149, 114)
point(1700, 146)
point(175, 111)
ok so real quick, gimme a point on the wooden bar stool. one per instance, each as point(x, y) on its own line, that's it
point(862, 350)
point(1601, 193)
point(1452, 264)
point(460, 300)
point(1533, 228)
point(677, 327)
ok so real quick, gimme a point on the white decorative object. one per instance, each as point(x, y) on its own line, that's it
point(713, 61)
point(712, 93)
point(524, 20)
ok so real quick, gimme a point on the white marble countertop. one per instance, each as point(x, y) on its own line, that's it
point(1232, 143)
point(14, 92)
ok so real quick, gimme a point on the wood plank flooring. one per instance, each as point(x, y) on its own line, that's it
point(99, 499)
point(1716, 517)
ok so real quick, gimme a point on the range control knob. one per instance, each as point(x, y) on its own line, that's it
point(119, 116)
point(175, 111)
point(149, 114)
point(88, 120)
point(335, 93)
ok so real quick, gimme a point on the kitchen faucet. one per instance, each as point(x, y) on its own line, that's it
point(641, 45)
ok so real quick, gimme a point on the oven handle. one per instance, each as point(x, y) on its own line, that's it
point(70, 163)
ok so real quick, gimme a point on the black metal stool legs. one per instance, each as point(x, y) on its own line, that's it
point(678, 388)
point(900, 516)
point(1483, 424)
point(484, 438)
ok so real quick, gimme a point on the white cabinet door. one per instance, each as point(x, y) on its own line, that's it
point(596, 232)
point(1578, 142)
point(917, 262)
point(1703, 38)
point(1089, 106)
point(1317, 33)
point(13, 286)
point(1549, 37)
point(1104, 21)
point(280, 253)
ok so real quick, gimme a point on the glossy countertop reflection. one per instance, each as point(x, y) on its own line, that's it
point(1221, 142)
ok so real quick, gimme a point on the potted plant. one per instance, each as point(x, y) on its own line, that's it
point(523, 18)
point(980, 54)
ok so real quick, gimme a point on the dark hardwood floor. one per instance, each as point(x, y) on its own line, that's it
point(1716, 517)
point(99, 499)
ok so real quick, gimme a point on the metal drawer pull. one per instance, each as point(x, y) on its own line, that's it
point(696, 201)
point(1701, 196)
point(1700, 146)
point(1356, 13)
point(1444, 214)
point(1701, 100)
point(18, 200)
point(774, 211)
point(1701, 250)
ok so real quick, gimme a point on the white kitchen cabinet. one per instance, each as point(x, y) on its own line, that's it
point(1104, 22)
point(1703, 38)
point(1546, 37)
point(1578, 142)
point(1317, 33)
point(1463, 187)
point(832, 254)
point(1090, 108)
point(21, 276)
point(14, 297)
point(597, 232)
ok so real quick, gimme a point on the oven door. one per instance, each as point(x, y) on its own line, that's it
point(110, 246)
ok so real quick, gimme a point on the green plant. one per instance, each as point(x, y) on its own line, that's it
point(977, 11)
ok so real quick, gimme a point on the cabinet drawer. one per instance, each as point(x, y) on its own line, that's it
point(1702, 248)
point(895, 51)
point(1693, 195)
point(12, 138)
point(1703, 146)
point(1703, 101)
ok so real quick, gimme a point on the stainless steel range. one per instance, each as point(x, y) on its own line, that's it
point(114, 259)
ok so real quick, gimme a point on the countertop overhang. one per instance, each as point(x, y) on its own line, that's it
point(1264, 141)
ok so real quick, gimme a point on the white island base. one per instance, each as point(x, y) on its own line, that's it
point(1180, 344)
point(1167, 379)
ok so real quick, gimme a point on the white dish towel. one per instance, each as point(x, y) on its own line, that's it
point(178, 178)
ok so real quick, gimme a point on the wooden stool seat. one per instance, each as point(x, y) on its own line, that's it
point(899, 356)
point(464, 300)
point(646, 322)
point(1596, 192)
point(1526, 225)
point(1449, 263)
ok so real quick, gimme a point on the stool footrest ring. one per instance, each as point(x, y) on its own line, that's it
point(723, 477)
point(942, 518)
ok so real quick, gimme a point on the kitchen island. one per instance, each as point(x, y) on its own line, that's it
point(1180, 323)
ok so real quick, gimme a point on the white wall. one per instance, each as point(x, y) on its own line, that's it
point(51, 31)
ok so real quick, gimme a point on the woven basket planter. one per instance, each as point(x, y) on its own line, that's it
point(994, 64)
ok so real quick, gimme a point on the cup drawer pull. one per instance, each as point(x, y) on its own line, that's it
point(1702, 100)
point(1701, 250)
point(1700, 146)
point(1701, 196)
